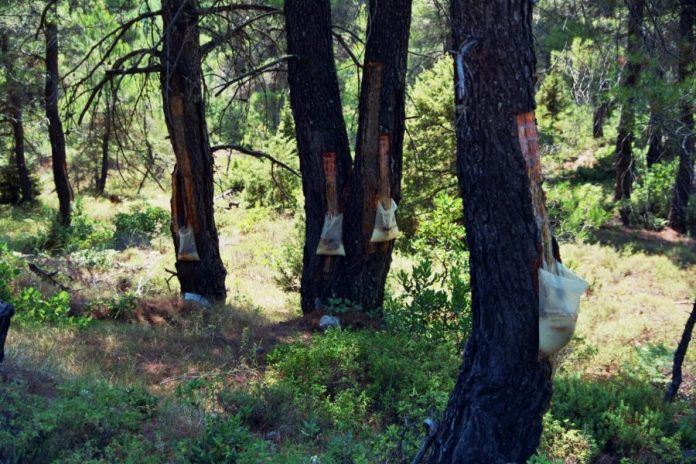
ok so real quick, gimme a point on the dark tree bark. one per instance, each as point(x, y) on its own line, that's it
point(685, 130)
point(601, 113)
point(106, 140)
point(679, 355)
point(495, 412)
point(656, 147)
point(382, 115)
point(624, 139)
point(55, 126)
point(192, 179)
point(319, 128)
point(15, 104)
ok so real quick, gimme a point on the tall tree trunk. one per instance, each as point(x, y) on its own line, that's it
point(382, 115)
point(192, 179)
point(106, 140)
point(685, 131)
point(15, 103)
point(624, 139)
point(319, 128)
point(495, 412)
point(55, 126)
point(601, 113)
point(656, 147)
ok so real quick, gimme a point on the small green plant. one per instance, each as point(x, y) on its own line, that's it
point(649, 205)
point(433, 304)
point(32, 308)
point(575, 211)
point(140, 225)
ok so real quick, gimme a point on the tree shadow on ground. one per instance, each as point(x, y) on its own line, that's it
point(680, 249)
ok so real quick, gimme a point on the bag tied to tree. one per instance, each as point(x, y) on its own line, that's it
point(187, 245)
point(331, 239)
point(385, 228)
point(6, 313)
point(560, 290)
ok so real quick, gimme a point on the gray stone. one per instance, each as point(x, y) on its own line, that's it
point(327, 321)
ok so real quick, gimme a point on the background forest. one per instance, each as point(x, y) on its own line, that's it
point(106, 363)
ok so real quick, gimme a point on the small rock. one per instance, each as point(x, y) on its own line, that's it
point(328, 321)
point(272, 436)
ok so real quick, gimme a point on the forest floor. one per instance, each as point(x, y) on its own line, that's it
point(642, 286)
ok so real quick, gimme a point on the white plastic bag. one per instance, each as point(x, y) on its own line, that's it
point(559, 303)
point(331, 240)
point(385, 228)
point(187, 245)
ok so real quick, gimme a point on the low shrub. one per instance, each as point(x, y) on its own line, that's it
point(140, 225)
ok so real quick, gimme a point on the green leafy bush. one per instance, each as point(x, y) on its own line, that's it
point(575, 211)
point(140, 225)
point(624, 416)
point(83, 233)
point(81, 422)
point(30, 305)
point(346, 378)
point(435, 305)
point(651, 197)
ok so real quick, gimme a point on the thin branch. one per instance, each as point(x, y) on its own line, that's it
point(209, 46)
point(253, 72)
point(346, 47)
point(110, 75)
point(255, 154)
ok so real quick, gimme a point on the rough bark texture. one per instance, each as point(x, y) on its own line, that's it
point(495, 412)
point(320, 128)
point(382, 113)
point(55, 127)
point(192, 180)
point(679, 355)
point(624, 139)
point(685, 130)
point(15, 103)
point(656, 147)
point(600, 115)
point(106, 140)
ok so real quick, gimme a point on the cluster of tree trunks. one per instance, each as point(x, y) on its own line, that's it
point(320, 128)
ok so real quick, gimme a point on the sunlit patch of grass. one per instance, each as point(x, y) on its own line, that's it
point(634, 299)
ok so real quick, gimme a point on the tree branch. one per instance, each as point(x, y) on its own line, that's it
point(253, 72)
point(255, 153)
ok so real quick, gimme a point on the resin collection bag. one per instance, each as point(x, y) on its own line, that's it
point(187, 245)
point(560, 290)
point(385, 228)
point(331, 240)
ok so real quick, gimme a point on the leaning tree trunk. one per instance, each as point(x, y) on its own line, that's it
point(381, 121)
point(55, 127)
point(320, 130)
point(199, 266)
point(16, 118)
point(106, 140)
point(495, 412)
point(624, 139)
point(685, 130)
